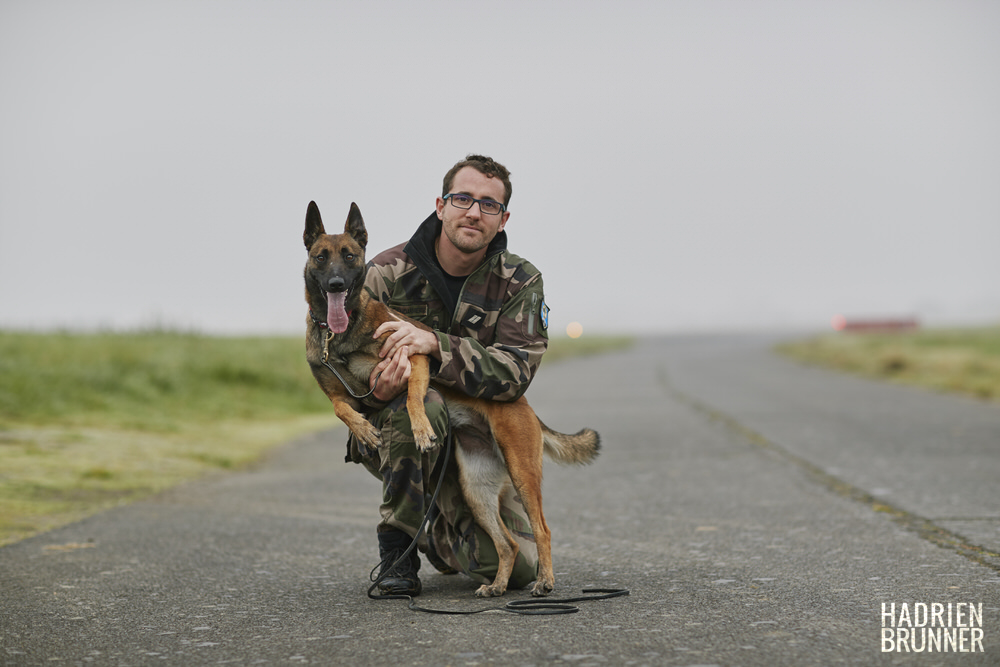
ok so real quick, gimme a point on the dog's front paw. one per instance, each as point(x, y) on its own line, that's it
point(542, 588)
point(490, 591)
point(425, 441)
point(423, 433)
point(369, 435)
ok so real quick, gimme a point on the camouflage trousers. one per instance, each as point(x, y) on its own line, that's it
point(409, 478)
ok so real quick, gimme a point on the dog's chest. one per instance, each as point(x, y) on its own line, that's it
point(358, 364)
point(361, 366)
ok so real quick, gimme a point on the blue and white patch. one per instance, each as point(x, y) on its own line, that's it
point(544, 314)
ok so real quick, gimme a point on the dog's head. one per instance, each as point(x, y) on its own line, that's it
point(335, 270)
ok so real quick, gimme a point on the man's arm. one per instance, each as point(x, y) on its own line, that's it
point(503, 369)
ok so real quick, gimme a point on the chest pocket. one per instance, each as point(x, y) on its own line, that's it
point(417, 311)
point(474, 319)
point(421, 312)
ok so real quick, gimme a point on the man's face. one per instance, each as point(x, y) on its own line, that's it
point(470, 230)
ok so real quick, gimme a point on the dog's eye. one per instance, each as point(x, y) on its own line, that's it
point(320, 259)
point(349, 257)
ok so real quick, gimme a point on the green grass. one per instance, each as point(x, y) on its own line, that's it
point(965, 361)
point(154, 382)
point(88, 421)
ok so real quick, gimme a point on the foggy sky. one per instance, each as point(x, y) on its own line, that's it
point(676, 165)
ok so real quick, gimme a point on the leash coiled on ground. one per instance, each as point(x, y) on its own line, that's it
point(538, 607)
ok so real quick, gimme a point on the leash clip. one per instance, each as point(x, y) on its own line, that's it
point(326, 345)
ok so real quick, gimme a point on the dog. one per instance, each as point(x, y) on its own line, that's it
point(343, 340)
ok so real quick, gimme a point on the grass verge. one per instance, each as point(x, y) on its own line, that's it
point(90, 421)
point(565, 348)
point(965, 361)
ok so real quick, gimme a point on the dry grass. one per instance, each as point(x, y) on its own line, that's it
point(965, 361)
point(52, 475)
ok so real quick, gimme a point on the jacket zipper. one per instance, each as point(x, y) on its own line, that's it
point(458, 304)
point(531, 315)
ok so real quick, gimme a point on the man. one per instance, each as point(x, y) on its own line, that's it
point(487, 309)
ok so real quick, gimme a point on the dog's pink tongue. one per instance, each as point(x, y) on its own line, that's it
point(336, 315)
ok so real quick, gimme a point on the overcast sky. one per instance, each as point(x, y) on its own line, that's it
point(676, 165)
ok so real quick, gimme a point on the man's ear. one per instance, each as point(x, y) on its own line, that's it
point(503, 221)
point(355, 226)
point(314, 225)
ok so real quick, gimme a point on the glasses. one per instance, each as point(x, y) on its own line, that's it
point(487, 206)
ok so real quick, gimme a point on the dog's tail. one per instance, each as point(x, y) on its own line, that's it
point(581, 447)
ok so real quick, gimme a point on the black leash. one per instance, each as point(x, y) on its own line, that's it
point(534, 607)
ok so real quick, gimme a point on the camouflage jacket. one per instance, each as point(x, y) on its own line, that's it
point(492, 344)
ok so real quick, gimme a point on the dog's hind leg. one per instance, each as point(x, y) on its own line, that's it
point(483, 478)
point(519, 436)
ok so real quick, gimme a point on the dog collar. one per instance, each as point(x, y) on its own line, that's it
point(318, 322)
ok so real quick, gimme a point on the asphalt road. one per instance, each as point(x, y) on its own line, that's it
point(760, 513)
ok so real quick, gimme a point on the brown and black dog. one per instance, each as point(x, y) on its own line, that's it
point(342, 321)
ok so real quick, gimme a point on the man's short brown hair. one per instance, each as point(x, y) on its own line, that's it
point(486, 166)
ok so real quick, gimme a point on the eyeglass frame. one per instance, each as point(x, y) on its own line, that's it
point(451, 195)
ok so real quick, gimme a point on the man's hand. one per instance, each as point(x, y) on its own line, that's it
point(419, 341)
point(395, 374)
point(405, 339)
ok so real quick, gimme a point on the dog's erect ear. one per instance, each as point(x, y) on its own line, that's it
point(314, 225)
point(355, 226)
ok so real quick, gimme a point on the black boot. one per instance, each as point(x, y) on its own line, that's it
point(401, 579)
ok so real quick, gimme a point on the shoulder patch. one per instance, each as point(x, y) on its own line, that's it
point(545, 315)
